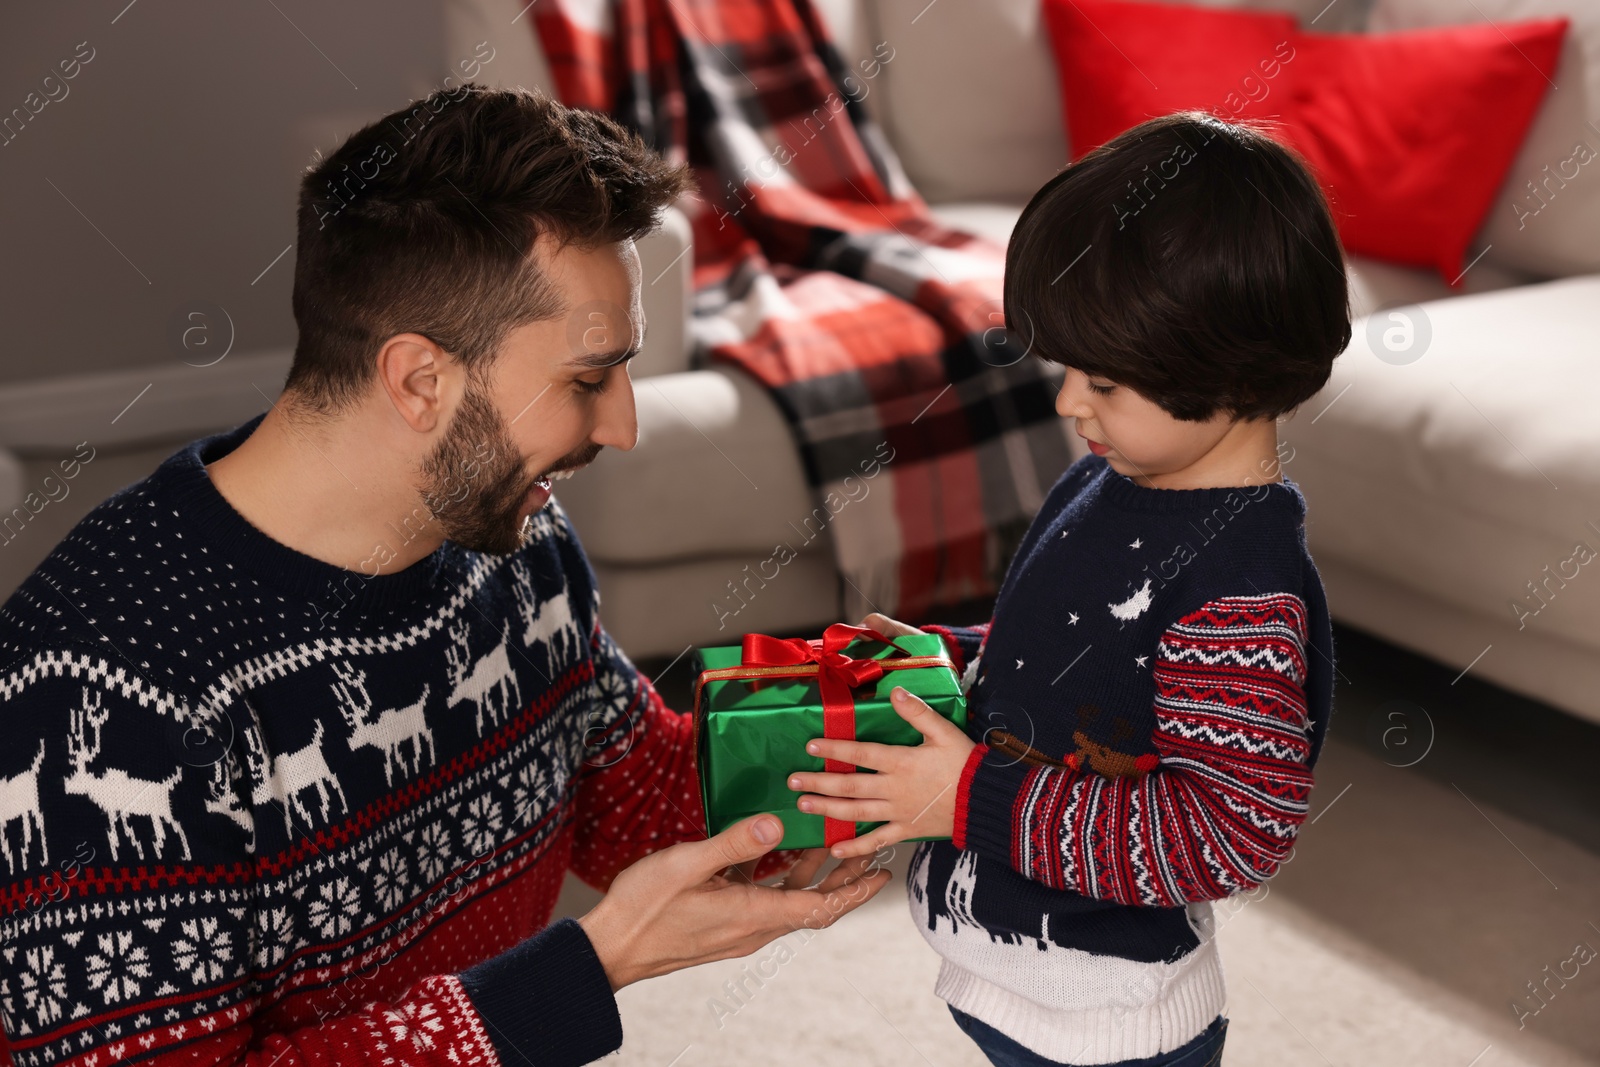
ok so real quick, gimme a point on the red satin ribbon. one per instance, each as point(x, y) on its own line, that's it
point(837, 674)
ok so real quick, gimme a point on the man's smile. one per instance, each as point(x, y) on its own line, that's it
point(539, 492)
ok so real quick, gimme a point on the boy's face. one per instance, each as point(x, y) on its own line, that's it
point(1137, 437)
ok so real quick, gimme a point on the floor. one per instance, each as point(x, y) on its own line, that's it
point(1451, 859)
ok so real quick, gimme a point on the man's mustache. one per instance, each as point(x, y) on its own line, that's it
point(573, 460)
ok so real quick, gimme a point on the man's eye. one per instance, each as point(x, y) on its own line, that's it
point(590, 387)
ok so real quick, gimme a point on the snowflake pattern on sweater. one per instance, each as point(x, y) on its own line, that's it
point(257, 812)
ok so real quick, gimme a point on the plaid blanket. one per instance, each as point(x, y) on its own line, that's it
point(819, 270)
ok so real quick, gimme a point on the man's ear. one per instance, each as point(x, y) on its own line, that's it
point(416, 375)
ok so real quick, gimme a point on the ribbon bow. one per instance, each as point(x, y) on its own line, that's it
point(836, 675)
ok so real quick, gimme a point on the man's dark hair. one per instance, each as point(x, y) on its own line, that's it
point(1190, 259)
point(424, 222)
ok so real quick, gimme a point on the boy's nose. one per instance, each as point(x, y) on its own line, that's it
point(1069, 402)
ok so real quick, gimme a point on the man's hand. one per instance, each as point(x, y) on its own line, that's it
point(694, 903)
point(914, 792)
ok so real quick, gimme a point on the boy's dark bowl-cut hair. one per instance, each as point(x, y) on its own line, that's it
point(1190, 259)
point(424, 221)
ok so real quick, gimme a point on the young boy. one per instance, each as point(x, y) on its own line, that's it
point(1153, 689)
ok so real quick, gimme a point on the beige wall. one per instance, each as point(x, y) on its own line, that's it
point(178, 145)
point(162, 173)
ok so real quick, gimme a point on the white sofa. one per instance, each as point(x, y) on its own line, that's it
point(1440, 487)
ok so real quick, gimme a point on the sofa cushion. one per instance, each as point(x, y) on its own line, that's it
point(1409, 134)
point(1375, 284)
point(715, 472)
point(1546, 216)
point(1463, 470)
point(971, 100)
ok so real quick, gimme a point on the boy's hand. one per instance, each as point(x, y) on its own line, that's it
point(914, 792)
point(887, 626)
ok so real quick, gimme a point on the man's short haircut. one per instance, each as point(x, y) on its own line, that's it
point(1191, 259)
point(424, 222)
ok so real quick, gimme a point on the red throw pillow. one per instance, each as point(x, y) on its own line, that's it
point(1410, 134)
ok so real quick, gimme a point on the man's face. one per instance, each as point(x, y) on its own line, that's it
point(1136, 435)
point(557, 393)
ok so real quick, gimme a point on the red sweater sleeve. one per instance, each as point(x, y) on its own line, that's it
point(1219, 812)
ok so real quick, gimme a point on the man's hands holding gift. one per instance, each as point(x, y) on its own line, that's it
point(913, 792)
point(694, 902)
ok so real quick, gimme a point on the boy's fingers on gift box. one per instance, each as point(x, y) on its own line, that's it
point(872, 810)
point(861, 753)
point(836, 785)
point(861, 849)
point(916, 711)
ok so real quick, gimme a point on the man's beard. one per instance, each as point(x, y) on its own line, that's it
point(473, 480)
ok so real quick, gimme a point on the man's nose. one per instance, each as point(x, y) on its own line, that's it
point(618, 422)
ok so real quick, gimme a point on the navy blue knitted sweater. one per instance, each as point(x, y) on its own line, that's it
point(263, 810)
point(1150, 697)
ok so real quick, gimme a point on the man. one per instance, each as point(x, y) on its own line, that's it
point(305, 729)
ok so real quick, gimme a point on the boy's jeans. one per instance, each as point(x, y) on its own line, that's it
point(1203, 1051)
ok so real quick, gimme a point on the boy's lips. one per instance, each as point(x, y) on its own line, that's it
point(1094, 446)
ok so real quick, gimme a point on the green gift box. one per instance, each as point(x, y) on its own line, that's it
point(752, 717)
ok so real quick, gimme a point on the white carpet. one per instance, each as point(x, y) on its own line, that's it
point(1299, 993)
point(1318, 971)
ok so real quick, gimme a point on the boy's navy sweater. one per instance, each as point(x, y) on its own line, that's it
point(1150, 697)
point(262, 810)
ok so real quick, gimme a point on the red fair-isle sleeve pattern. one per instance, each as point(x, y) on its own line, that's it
point(640, 790)
point(1221, 809)
point(963, 642)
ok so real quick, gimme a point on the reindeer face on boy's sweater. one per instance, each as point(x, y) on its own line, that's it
point(1106, 756)
point(1104, 760)
point(1087, 753)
